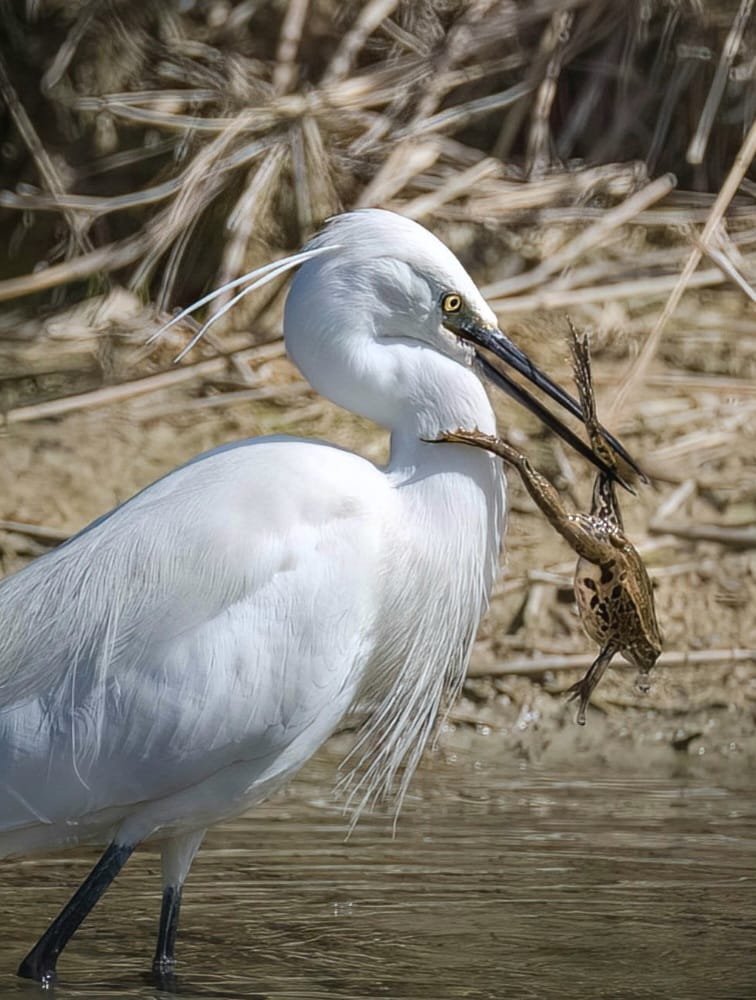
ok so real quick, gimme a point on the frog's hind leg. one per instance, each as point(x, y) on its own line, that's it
point(584, 688)
point(581, 366)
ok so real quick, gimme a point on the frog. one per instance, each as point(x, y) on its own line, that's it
point(613, 591)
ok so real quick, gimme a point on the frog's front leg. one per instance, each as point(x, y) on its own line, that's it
point(574, 528)
point(585, 687)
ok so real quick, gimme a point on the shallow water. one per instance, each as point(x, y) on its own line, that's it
point(502, 881)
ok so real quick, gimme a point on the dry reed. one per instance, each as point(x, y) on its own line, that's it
point(578, 154)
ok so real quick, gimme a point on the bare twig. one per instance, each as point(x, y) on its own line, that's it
point(591, 237)
point(246, 218)
point(287, 392)
point(67, 50)
point(638, 369)
point(580, 661)
point(538, 156)
point(643, 288)
point(49, 174)
point(103, 259)
point(721, 259)
point(741, 538)
point(464, 114)
point(684, 492)
point(698, 143)
point(369, 18)
point(53, 536)
point(107, 395)
point(458, 185)
point(285, 73)
point(405, 161)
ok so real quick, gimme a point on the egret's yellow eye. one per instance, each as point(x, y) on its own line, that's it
point(451, 303)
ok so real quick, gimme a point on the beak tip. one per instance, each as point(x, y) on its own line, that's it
point(501, 346)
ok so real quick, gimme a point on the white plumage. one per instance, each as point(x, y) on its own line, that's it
point(253, 587)
point(180, 658)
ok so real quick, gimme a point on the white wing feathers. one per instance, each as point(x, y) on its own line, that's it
point(208, 620)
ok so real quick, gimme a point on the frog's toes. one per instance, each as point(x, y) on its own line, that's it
point(581, 691)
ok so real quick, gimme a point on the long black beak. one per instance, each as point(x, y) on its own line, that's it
point(501, 347)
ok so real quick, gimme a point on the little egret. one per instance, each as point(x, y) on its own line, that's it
point(180, 658)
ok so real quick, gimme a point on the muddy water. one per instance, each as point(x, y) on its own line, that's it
point(502, 881)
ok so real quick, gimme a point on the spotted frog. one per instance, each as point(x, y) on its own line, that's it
point(612, 588)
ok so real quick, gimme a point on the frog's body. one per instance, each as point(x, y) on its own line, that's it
point(613, 591)
point(616, 606)
point(612, 588)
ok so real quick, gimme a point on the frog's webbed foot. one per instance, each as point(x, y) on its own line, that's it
point(495, 445)
point(581, 365)
point(584, 688)
point(618, 465)
point(463, 436)
point(581, 691)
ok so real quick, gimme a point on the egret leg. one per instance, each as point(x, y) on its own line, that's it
point(39, 964)
point(177, 856)
point(164, 961)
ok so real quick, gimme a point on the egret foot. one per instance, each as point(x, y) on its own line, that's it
point(40, 963)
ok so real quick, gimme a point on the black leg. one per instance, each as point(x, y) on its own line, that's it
point(587, 685)
point(39, 964)
point(164, 961)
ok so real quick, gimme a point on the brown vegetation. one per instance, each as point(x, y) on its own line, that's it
point(582, 156)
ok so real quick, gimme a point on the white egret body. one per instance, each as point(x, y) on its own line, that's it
point(181, 657)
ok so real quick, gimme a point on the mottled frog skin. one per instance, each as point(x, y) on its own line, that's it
point(613, 591)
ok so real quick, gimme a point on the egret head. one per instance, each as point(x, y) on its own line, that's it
point(383, 319)
point(393, 277)
point(390, 301)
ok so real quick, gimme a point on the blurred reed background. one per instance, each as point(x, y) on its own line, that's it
point(590, 157)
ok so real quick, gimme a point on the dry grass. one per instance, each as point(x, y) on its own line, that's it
point(236, 128)
point(586, 157)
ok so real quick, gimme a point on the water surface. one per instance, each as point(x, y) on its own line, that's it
point(502, 881)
